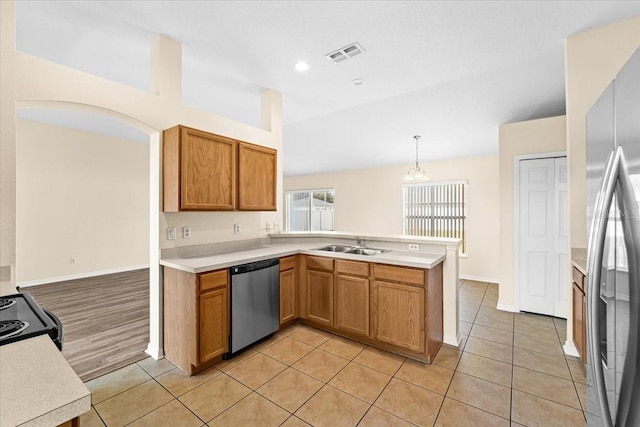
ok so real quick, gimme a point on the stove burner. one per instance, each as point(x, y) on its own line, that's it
point(6, 303)
point(10, 328)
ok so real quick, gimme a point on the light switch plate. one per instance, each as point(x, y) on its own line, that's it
point(171, 233)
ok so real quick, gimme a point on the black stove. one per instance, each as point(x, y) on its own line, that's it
point(21, 318)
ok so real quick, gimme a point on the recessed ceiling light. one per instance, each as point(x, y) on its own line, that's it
point(301, 66)
point(357, 82)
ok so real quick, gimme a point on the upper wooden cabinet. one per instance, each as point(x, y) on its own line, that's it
point(207, 172)
point(257, 169)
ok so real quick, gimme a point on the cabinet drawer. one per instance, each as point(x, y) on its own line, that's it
point(412, 276)
point(319, 263)
point(212, 280)
point(287, 263)
point(354, 268)
point(578, 278)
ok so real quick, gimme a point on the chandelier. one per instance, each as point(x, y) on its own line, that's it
point(416, 173)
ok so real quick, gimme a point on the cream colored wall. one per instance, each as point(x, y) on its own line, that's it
point(517, 139)
point(79, 195)
point(369, 201)
point(592, 59)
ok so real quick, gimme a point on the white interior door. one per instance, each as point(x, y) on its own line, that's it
point(543, 253)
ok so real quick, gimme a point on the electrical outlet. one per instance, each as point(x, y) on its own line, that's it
point(268, 227)
point(414, 247)
point(171, 233)
point(186, 232)
point(236, 228)
point(72, 260)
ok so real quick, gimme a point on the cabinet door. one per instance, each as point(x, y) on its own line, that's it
point(579, 323)
point(399, 315)
point(320, 296)
point(287, 295)
point(214, 328)
point(352, 304)
point(208, 171)
point(257, 169)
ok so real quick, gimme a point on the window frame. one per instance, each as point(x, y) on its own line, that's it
point(311, 191)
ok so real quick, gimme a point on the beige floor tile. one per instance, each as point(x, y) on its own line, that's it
point(275, 338)
point(457, 414)
point(546, 386)
point(380, 360)
point(133, 403)
point(560, 323)
point(541, 362)
point(494, 312)
point(582, 394)
point(481, 394)
point(290, 389)
point(548, 333)
point(447, 357)
point(490, 301)
point(173, 413)
point(376, 417)
point(562, 335)
point(91, 419)
point(533, 411)
point(214, 397)
point(485, 368)
point(541, 345)
point(465, 327)
point(432, 377)
point(288, 351)
point(578, 371)
point(472, 308)
point(321, 365)
point(178, 383)
point(294, 421)
point(471, 298)
point(410, 402)
point(492, 334)
point(359, 381)
point(256, 370)
point(107, 386)
point(475, 284)
point(535, 319)
point(490, 349)
point(310, 336)
point(253, 410)
point(463, 341)
point(467, 316)
point(494, 322)
point(156, 367)
point(226, 365)
point(331, 407)
point(343, 347)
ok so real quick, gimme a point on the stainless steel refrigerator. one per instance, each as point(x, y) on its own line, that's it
point(613, 279)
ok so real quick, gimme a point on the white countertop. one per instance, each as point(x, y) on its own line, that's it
point(37, 385)
point(204, 263)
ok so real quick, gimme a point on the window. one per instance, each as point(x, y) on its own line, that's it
point(309, 210)
point(436, 210)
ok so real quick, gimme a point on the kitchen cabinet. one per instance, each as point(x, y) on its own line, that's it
point(352, 297)
point(579, 314)
point(196, 318)
point(199, 170)
point(319, 290)
point(257, 171)
point(288, 292)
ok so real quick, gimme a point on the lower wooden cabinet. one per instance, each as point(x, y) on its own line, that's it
point(319, 286)
point(580, 322)
point(399, 314)
point(288, 292)
point(352, 304)
point(196, 318)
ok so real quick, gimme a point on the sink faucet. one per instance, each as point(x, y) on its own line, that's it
point(359, 241)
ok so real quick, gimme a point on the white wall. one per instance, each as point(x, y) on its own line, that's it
point(531, 137)
point(369, 201)
point(81, 195)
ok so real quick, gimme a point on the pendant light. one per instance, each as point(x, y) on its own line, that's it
point(416, 173)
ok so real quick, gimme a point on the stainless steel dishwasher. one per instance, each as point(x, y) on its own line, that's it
point(255, 302)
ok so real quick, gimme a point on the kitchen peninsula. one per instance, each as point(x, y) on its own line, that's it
point(357, 295)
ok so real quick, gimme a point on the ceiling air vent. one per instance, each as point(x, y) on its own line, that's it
point(345, 53)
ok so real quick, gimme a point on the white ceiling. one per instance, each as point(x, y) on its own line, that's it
point(451, 71)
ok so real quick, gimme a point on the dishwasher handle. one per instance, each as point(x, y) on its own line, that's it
point(253, 266)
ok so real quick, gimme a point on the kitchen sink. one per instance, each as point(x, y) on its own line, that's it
point(356, 250)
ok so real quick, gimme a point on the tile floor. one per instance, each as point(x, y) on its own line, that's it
point(509, 371)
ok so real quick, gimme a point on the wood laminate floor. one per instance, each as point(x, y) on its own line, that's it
point(105, 318)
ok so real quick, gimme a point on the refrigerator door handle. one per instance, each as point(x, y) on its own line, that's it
point(594, 264)
point(628, 413)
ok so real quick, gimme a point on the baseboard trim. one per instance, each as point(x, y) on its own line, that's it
point(570, 349)
point(156, 353)
point(452, 340)
point(478, 278)
point(509, 308)
point(79, 276)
